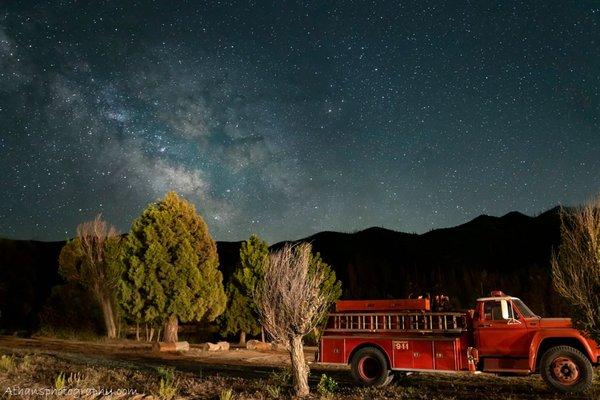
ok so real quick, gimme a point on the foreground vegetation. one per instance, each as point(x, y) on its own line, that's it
point(64, 375)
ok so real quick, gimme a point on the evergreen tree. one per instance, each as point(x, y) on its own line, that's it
point(171, 268)
point(241, 315)
point(330, 286)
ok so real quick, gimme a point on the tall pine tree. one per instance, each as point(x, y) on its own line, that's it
point(241, 315)
point(171, 268)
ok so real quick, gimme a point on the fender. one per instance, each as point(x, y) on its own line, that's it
point(373, 343)
point(558, 333)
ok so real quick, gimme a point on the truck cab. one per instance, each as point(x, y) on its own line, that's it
point(510, 338)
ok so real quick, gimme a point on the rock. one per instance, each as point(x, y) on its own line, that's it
point(220, 346)
point(224, 345)
point(257, 345)
point(177, 346)
point(278, 347)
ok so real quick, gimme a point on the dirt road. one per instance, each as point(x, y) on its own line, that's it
point(237, 362)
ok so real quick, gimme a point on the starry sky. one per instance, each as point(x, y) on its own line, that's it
point(294, 117)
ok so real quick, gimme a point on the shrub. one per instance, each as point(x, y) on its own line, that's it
point(166, 373)
point(281, 378)
point(327, 386)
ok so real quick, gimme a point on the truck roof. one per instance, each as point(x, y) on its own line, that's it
point(497, 298)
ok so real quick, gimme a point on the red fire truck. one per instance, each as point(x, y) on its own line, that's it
point(501, 335)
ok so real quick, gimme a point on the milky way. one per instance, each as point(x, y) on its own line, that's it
point(295, 117)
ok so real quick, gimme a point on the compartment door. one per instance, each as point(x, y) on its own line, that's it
point(403, 357)
point(332, 350)
point(422, 354)
point(445, 355)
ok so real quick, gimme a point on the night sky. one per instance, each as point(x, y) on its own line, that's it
point(295, 117)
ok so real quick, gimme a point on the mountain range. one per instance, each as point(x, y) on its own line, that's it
point(511, 253)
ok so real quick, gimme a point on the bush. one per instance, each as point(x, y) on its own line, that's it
point(281, 378)
point(327, 386)
point(166, 373)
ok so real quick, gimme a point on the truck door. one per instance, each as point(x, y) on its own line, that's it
point(500, 331)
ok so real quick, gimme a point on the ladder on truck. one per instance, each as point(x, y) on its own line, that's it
point(419, 322)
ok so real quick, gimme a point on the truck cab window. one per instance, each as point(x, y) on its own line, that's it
point(498, 310)
point(525, 311)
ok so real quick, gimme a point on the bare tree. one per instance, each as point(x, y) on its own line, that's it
point(92, 260)
point(576, 264)
point(292, 302)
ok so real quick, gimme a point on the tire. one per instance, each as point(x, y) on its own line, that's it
point(566, 370)
point(370, 367)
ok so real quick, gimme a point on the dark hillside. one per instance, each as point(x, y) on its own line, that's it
point(28, 271)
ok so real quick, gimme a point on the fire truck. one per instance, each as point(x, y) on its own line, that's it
point(381, 338)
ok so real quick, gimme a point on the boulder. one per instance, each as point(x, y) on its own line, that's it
point(220, 346)
point(278, 347)
point(257, 345)
point(223, 345)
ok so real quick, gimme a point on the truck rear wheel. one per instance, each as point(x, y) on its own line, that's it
point(566, 369)
point(370, 367)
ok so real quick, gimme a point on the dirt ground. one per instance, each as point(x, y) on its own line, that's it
point(132, 370)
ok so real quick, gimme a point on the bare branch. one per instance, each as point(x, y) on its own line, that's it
point(576, 264)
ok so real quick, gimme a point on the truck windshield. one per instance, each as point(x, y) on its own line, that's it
point(525, 311)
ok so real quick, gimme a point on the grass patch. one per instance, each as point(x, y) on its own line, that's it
point(7, 363)
point(226, 394)
point(60, 382)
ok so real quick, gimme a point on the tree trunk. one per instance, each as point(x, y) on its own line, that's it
point(262, 334)
point(137, 331)
point(158, 335)
point(119, 326)
point(109, 318)
point(299, 367)
point(151, 334)
point(242, 338)
point(171, 327)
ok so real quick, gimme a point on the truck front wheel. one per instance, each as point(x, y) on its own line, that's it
point(566, 369)
point(370, 367)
